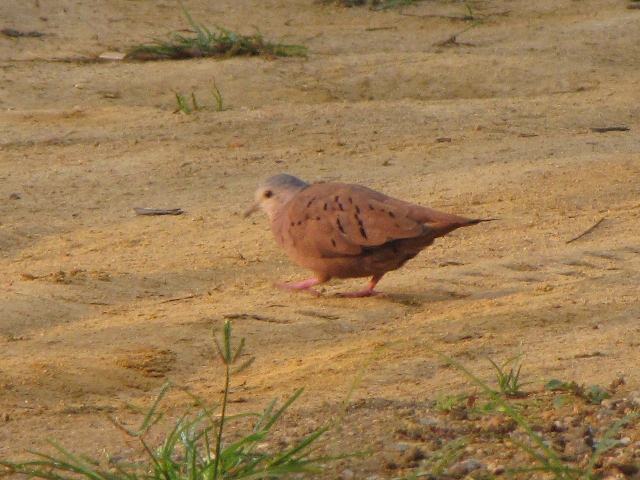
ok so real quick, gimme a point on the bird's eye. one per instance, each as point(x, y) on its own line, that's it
point(268, 194)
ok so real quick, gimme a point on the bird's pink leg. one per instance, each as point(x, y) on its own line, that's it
point(304, 285)
point(367, 292)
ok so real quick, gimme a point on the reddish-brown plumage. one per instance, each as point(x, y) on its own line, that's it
point(345, 231)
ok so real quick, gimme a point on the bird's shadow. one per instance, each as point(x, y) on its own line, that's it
point(417, 299)
point(409, 299)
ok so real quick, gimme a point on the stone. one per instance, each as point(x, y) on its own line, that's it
point(465, 467)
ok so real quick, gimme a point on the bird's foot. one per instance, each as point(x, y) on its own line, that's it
point(366, 292)
point(303, 286)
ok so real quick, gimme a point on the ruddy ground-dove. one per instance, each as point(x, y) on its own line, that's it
point(345, 231)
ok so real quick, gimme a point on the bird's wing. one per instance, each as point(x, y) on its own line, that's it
point(336, 219)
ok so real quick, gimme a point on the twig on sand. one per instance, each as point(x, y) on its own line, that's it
point(10, 32)
point(177, 299)
point(453, 39)
point(587, 231)
point(253, 316)
point(324, 316)
point(158, 211)
point(464, 18)
point(375, 29)
point(616, 128)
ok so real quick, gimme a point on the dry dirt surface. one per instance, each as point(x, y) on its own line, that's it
point(99, 307)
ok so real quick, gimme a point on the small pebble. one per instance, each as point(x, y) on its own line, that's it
point(576, 447)
point(429, 422)
point(498, 424)
point(15, 196)
point(465, 467)
point(112, 56)
point(558, 426)
point(347, 474)
point(627, 469)
point(402, 447)
point(608, 403)
point(412, 456)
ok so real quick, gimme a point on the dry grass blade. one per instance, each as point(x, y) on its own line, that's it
point(587, 231)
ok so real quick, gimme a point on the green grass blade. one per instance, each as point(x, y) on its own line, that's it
point(282, 409)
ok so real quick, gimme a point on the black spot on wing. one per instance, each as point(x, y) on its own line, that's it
point(363, 232)
point(339, 224)
point(333, 242)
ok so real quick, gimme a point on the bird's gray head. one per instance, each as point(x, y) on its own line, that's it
point(274, 192)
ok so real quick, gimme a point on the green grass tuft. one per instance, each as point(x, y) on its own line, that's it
point(219, 42)
point(593, 394)
point(217, 96)
point(183, 103)
point(196, 448)
point(509, 380)
point(451, 403)
point(184, 106)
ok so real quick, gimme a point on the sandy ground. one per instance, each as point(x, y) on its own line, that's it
point(100, 307)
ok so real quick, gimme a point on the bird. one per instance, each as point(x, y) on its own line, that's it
point(341, 230)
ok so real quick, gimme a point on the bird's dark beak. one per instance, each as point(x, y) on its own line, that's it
point(250, 210)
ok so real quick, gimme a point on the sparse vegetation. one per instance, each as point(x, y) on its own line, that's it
point(197, 448)
point(207, 43)
point(450, 403)
point(183, 105)
point(509, 381)
point(217, 95)
point(593, 394)
point(545, 459)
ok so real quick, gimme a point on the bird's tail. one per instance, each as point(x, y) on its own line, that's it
point(441, 228)
point(475, 221)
